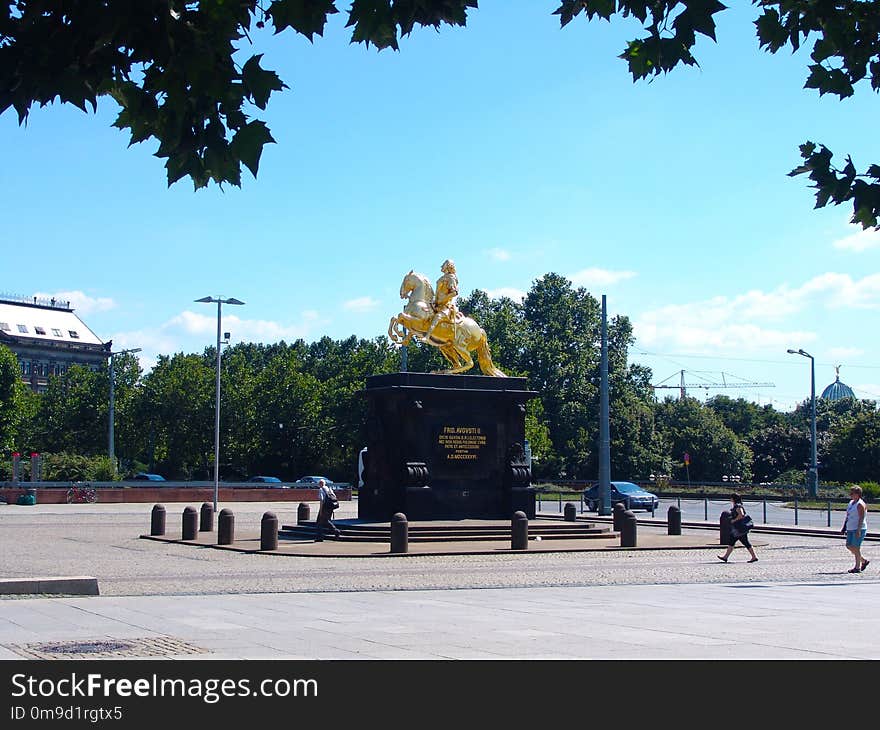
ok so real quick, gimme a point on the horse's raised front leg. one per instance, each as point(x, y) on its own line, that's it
point(392, 331)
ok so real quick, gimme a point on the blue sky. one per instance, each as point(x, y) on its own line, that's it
point(511, 146)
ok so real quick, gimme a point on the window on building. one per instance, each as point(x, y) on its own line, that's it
point(26, 368)
point(39, 330)
point(56, 332)
point(21, 328)
point(5, 326)
point(73, 334)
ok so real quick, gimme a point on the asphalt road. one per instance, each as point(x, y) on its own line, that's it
point(771, 513)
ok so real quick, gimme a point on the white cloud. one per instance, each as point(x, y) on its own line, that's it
point(690, 331)
point(720, 324)
point(867, 390)
point(361, 304)
point(80, 301)
point(599, 277)
point(739, 323)
point(860, 241)
point(843, 353)
point(506, 291)
point(498, 254)
point(194, 331)
point(830, 290)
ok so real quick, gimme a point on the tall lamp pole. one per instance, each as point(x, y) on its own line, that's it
point(604, 428)
point(220, 301)
point(111, 439)
point(813, 473)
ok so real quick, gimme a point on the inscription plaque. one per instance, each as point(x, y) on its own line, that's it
point(460, 445)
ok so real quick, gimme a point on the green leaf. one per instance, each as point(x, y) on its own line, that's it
point(373, 22)
point(247, 144)
point(259, 83)
point(307, 17)
point(603, 8)
point(568, 11)
point(771, 33)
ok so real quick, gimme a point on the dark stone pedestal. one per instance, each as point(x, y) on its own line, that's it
point(445, 447)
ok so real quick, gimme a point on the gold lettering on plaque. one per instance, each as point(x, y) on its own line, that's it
point(461, 443)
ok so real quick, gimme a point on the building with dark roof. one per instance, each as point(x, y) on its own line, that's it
point(837, 390)
point(48, 338)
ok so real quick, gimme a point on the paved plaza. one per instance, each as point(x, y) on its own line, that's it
point(161, 599)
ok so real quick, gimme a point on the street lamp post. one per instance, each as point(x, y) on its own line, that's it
point(111, 438)
point(813, 473)
point(220, 301)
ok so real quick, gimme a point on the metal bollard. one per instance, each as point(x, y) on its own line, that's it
point(157, 520)
point(673, 521)
point(570, 512)
point(705, 509)
point(399, 533)
point(225, 527)
point(765, 510)
point(724, 528)
point(269, 531)
point(617, 516)
point(519, 531)
point(829, 514)
point(206, 517)
point(628, 529)
point(795, 511)
point(303, 512)
point(190, 523)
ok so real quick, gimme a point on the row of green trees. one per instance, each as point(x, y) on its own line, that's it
point(293, 409)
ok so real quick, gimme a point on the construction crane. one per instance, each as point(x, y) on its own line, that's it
point(707, 384)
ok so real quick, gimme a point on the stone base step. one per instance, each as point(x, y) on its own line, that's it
point(424, 532)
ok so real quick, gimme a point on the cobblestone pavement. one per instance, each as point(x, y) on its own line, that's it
point(104, 541)
point(185, 602)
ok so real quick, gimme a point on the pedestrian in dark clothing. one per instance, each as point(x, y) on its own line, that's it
point(737, 530)
point(328, 500)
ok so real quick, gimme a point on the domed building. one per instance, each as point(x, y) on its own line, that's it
point(837, 390)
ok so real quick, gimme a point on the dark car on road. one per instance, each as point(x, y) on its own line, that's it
point(632, 495)
point(269, 482)
point(144, 477)
point(311, 482)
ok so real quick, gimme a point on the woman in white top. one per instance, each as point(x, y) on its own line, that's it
point(856, 527)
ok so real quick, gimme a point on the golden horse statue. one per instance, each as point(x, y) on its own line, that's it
point(455, 340)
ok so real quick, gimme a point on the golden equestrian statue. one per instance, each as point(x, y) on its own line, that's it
point(435, 320)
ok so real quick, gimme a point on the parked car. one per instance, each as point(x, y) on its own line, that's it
point(311, 481)
point(269, 482)
point(144, 477)
point(632, 495)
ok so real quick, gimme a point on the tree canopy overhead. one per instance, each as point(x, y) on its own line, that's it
point(176, 68)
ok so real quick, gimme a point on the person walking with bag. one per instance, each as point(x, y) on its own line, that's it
point(325, 513)
point(740, 524)
point(856, 527)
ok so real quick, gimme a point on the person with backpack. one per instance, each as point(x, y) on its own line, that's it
point(740, 524)
point(325, 513)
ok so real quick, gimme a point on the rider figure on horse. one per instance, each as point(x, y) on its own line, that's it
point(444, 300)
